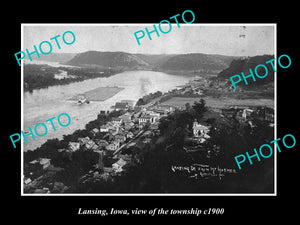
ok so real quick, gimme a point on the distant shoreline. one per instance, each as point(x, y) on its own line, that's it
point(99, 94)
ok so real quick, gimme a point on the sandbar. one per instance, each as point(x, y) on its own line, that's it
point(99, 94)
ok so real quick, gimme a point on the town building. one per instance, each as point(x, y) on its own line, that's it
point(129, 135)
point(121, 106)
point(120, 137)
point(129, 102)
point(269, 114)
point(118, 166)
point(95, 131)
point(104, 128)
point(27, 181)
point(152, 118)
point(73, 146)
point(244, 114)
point(229, 112)
point(200, 131)
point(113, 146)
point(44, 162)
point(102, 144)
point(127, 117)
point(117, 121)
point(88, 143)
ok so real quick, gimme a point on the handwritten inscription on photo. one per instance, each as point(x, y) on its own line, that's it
point(198, 171)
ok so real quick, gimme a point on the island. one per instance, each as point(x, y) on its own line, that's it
point(99, 94)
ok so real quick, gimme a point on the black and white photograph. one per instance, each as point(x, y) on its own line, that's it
point(144, 109)
point(144, 112)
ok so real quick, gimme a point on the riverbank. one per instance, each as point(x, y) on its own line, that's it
point(37, 76)
point(219, 102)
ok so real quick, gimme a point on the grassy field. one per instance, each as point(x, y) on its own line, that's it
point(100, 93)
point(219, 102)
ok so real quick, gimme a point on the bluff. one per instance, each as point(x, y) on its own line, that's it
point(121, 60)
point(56, 57)
point(163, 62)
point(240, 65)
point(197, 62)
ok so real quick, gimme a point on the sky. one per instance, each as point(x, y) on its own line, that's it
point(234, 40)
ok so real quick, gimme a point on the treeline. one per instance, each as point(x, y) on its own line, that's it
point(147, 98)
point(42, 76)
point(90, 72)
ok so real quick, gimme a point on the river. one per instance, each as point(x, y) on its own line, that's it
point(43, 104)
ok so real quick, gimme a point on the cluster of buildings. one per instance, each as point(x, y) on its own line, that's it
point(107, 140)
point(119, 133)
point(200, 132)
point(246, 114)
point(39, 177)
point(194, 87)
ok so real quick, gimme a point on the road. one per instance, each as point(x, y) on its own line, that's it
point(136, 136)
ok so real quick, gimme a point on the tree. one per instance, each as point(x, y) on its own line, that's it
point(199, 108)
point(140, 102)
point(187, 106)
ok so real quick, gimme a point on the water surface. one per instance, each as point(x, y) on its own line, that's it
point(43, 104)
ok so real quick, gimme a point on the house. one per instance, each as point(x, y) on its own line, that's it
point(74, 146)
point(229, 112)
point(269, 114)
point(127, 117)
point(200, 130)
point(118, 166)
point(127, 127)
point(113, 129)
point(88, 143)
point(246, 113)
point(95, 131)
point(154, 116)
point(117, 121)
point(104, 128)
point(121, 106)
point(148, 118)
point(144, 119)
point(113, 146)
point(102, 143)
point(27, 181)
point(44, 162)
point(129, 135)
point(129, 102)
point(120, 137)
